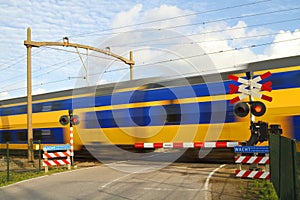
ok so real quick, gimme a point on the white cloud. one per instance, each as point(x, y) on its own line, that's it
point(163, 12)
point(39, 91)
point(125, 18)
point(4, 95)
point(287, 48)
point(228, 48)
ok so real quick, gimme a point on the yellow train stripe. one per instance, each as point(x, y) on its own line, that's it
point(181, 101)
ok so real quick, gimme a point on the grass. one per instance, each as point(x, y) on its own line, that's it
point(260, 189)
point(17, 176)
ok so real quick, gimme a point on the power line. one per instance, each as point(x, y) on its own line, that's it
point(209, 32)
point(194, 23)
point(231, 18)
point(18, 76)
point(217, 52)
point(22, 58)
point(171, 18)
point(220, 40)
point(199, 55)
point(166, 61)
point(189, 35)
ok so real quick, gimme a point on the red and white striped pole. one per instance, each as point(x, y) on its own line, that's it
point(71, 142)
point(71, 137)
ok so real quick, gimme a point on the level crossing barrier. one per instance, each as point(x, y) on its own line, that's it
point(50, 158)
point(167, 145)
point(253, 160)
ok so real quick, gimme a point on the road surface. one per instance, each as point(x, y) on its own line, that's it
point(120, 180)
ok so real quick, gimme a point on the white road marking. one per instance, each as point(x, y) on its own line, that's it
point(206, 184)
point(122, 177)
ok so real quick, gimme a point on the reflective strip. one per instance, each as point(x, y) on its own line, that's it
point(252, 174)
point(252, 159)
point(188, 145)
point(56, 154)
point(148, 145)
point(210, 144)
point(168, 145)
point(56, 162)
point(265, 160)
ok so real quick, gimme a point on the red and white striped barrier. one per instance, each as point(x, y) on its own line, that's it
point(255, 172)
point(56, 162)
point(252, 174)
point(261, 160)
point(56, 154)
point(142, 145)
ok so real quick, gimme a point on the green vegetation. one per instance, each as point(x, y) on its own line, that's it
point(260, 189)
point(16, 176)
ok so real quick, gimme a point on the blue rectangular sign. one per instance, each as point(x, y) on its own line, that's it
point(251, 149)
point(57, 148)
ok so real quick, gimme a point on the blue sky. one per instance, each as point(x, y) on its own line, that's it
point(156, 31)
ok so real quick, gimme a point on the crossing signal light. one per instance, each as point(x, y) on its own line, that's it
point(257, 108)
point(75, 120)
point(69, 119)
point(64, 120)
point(241, 109)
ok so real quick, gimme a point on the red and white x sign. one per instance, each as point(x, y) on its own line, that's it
point(253, 85)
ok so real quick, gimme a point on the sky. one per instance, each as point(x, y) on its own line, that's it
point(167, 38)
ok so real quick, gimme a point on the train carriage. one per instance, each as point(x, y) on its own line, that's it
point(154, 111)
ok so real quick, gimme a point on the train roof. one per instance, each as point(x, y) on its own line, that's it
point(107, 89)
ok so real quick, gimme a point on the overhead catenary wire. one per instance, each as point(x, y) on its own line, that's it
point(70, 61)
point(282, 21)
point(220, 51)
point(132, 25)
point(199, 55)
point(236, 6)
point(211, 32)
point(164, 61)
point(22, 58)
point(171, 18)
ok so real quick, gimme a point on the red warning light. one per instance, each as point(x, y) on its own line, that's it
point(75, 120)
point(258, 108)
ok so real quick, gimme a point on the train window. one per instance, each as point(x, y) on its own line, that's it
point(37, 107)
point(21, 110)
point(173, 114)
point(46, 132)
point(56, 106)
point(22, 136)
point(46, 108)
point(47, 136)
point(5, 136)
point(37, 135)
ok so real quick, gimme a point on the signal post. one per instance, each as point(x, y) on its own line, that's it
point(29, 44)
point(71, 120)
point(259, 130)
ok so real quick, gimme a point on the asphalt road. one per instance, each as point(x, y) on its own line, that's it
point(120, 180)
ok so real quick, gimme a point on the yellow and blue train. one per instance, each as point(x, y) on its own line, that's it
point(192, 109)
